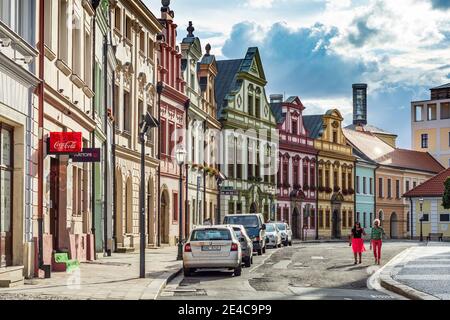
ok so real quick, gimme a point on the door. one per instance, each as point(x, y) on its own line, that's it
point(394, 226)
point(295, 224)
point(6, 183)
point(253, 208)
point(336, 230)
point(54, 200)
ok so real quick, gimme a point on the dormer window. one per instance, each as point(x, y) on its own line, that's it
point(335, 136)
point(294, 127)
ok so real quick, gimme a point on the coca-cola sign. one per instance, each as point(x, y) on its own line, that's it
point(65, 142)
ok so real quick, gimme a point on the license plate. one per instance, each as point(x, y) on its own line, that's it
point(211, 248)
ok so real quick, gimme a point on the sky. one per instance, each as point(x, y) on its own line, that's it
point(316, 49)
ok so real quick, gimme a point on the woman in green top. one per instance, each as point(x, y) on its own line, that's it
point(376, 240)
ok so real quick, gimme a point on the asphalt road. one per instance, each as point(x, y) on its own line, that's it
point(310, 271)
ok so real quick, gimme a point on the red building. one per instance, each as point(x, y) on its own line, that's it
point(173, 102)
point(296, 189)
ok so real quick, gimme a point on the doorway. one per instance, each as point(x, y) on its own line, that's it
point(295, 224)
point(6, 185)
point(336, 225)
point(54, 200)
point(394, 226)
point(253, 208)
point(165, 217)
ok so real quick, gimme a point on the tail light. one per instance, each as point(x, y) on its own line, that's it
point(187, 247)
point(234, 247)
point(258, 239)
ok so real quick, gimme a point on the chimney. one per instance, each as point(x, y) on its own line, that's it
point(276, 98)
point(360, 104)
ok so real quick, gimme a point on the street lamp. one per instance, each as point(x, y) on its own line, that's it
point(149, 122)
point(220, 178)
point(421, 218)
point(181, 158)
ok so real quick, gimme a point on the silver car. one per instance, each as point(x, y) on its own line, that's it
point(246, 245)
point(212, 247)
point(273, 235)
point(286, 233)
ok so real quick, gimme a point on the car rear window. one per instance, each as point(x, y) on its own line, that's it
point(246, 221)
point(210, 235)
point(281, 226)
point(238, 233)
point(270, 228)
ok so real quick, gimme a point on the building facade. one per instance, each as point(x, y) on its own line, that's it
point(335, 175)
point(365, 192)
point(18, 140)
point(249, 140)
point(426, 202)
point(296, 187)
point(172, 109)
point(431, 124)
point(135, 31)
point(203, 128)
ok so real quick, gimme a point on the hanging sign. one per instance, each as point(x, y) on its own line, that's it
point(87, 155)
point(65, 142)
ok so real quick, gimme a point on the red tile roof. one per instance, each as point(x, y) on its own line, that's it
point(433, 187)
point(409, 159)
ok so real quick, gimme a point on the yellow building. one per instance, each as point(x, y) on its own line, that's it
point(336, 194)
point(426, 200)
point(431, 124)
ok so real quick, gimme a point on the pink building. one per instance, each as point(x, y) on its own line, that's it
point(296, 190)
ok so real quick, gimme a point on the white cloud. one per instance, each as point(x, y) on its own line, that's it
point(259, 3)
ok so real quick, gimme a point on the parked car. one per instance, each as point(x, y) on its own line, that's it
point(273, 235)
point(255, 227)
point(212, 247)
point(246, 244)
point(286, 233)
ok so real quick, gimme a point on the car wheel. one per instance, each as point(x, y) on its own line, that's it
point(279, 246)
point(260, 252)
point(286, 243)
point(187, 272)
point(248, 262)
point(290, 243)
point(238, 271)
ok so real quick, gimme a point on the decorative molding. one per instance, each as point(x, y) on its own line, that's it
point(88, 7)
point(77, 81)
point(63, 67)
point(49, 53)
point(88, 92)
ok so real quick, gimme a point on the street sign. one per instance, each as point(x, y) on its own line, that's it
point(87, 155)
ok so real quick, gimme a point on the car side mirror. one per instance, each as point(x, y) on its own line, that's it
point(263, 227)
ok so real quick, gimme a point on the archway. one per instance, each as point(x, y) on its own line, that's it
point(296, 232)
point(119, 209)
point(394, 226)
point(165, 217)
point(253, 208)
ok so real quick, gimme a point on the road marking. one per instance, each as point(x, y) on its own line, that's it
point(424, 277)
point(263, 262)
point(317, 258)
point(283, 264)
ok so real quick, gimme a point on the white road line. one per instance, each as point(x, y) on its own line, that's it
point(283, 264)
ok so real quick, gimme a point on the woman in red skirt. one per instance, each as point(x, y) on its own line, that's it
point(357, 241)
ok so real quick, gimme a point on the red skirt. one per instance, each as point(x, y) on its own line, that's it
point(358, 245)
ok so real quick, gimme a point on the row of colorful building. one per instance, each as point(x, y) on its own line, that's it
point(77, 76)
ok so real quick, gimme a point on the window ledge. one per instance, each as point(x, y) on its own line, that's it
point(88, 92)
point(49, 53)
point(77, 81)
point(88, 7)
point(63, 67)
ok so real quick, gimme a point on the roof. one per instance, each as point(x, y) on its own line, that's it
point(408, 159)
point(444, 86)
point(314, 125)
point(433, 187)
point(379, 151)
point(277, 110)
point(370, 128)
point(226, 77)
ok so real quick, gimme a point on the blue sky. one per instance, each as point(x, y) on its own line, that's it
point(316, 49)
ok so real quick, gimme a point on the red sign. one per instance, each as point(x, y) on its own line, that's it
point(65, 142)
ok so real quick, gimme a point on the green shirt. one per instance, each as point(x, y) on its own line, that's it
point(377, 233)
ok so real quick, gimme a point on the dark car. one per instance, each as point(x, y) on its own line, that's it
point(255, 227)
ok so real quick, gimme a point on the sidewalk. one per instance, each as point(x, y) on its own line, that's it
point(420, 273)
point(115, 277)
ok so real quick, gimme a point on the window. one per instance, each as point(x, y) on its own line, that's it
point(126, 112)
point(335, 137)
point(426, 217)
point(140, 111)
point(142, 42)
point(344, 219)
point(150, 49)
point(364, 185)
point(296, 174)
point(350, 219)
point(279, 214)
point(444, 217)
point(358, 217)
point(48, 23)
point(79, 191)
point(327, 178)
point(313, 177)
point(305, 175)
point(344, 183)
point(250, 105)
point(6, 173)
point(313, 219)
point(389, 186)
point(286, 172)
point(357, 184)
point(418, 113)
point(321, 218)
point(239, 207)
point(445, 110)
point(364, 224)
point(424, 141)
point(350, 180)
point(258, 107)
point(294, 127)
point(175, 206)
point(5, 12)
point(63, 31)
point(397, 189)
point(414, 184)
point(238, 158)
point(370, 219)
point(431, 114)
point(116, 112)
point(171, 139)
point(250, 158)
point(320, 177)
point(327, 219)
point(380, 187)
point(231, 156)
point(87, 60)
point(371, 186)
point(335, 179)
point(407, 186)
point(128, 29)
point(231, 207)
point(163, 136)
point(76, 45)
point(118, 19)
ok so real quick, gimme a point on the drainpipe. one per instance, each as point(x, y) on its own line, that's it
point(106, 156)
point(159, 89)
point(186, 207)
point(205, 211)
point(94, 89)
point(40, 173)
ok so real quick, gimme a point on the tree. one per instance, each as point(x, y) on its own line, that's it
point(446, 196)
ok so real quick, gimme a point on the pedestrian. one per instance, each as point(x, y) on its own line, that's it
point(357, 241)
point(376, 240)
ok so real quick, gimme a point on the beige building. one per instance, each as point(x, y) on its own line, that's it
point(135, 30)
point(200, 73)
point(430, 124)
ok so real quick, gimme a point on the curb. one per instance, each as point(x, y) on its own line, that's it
point(387, 282)
point(155, 287)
